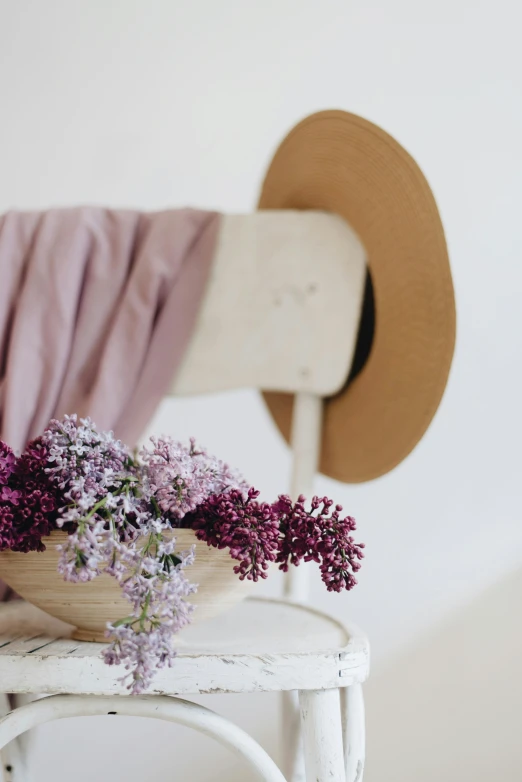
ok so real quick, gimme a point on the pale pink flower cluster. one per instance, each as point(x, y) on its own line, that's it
point(182, 477)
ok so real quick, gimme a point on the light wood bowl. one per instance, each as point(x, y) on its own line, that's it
point(89, 606)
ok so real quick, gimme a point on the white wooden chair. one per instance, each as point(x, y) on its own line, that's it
point(281, 312)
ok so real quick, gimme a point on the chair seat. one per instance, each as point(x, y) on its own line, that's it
point(260, 645)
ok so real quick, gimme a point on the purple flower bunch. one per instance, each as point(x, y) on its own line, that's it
point(182, 478)
point(115, 527)
point(237, 521)
point(319, 535)
point(121, 509)
point(29, 500)
point(258, 533)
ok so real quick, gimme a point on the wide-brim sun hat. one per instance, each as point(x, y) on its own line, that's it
point(341, 163)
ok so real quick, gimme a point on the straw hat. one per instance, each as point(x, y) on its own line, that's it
point(342, 163)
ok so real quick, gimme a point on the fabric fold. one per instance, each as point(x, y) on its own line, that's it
point(97, 307)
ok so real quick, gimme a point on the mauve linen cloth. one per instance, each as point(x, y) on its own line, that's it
point(96, 309)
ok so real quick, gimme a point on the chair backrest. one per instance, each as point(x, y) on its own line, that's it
point(281, 312)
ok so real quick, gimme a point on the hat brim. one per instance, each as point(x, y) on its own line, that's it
point(341, 163)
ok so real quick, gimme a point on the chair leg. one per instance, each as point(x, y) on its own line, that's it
point(292, 742)
point(322, 735)
point(352, 716)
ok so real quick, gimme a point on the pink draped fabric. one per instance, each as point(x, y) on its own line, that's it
point(96, 310)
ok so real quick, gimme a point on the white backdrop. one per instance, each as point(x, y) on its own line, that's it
point(154, 103)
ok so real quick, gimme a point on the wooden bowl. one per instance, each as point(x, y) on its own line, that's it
point(89, 606)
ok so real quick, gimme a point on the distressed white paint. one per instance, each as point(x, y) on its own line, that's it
point(322, 736)
point(283, 285)
point(261, 645)
point(157, 707)
point(353, 722)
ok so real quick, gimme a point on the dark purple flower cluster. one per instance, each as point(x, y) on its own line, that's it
point(319, 535)
point(248, 528)
point(257, 533)
point(7, 463)
point(28, 500)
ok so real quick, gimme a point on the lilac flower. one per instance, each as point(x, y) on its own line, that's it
point(28, 500)
point(324, 538)
point(97, 477)
point(83, 459)
point(140, 652)
point(12, 496)
point(248, 528)
point(7, 463)
point(285, 532)
point(142, 642)
point(182, 477)
point(116, 528)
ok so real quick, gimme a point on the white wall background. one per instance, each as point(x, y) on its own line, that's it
point(151, 103)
